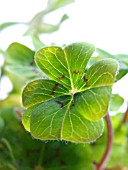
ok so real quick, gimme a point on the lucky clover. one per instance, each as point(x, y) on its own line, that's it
point(70, 104)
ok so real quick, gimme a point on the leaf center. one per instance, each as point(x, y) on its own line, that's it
point(73, 91)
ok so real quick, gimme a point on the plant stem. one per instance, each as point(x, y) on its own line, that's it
point(125, 118)
point(101, 165)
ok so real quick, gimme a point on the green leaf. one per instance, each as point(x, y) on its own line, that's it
point(53, 5)
point(64, 17)
point(116, 102)
point(58, 120)
point(38, 26)
point(19, 54)
point(49, 28)
point(71, 105)
point(26, 117)
point(7, 24)
point(66, 156)
point(39, 91)
point(41, 29)
point(100, 74)
point(71, 63)
point(121, 74)
point(123, 61)
point(103, 53)
point(17, 85)
point(93, 104)
point(19, 58)
point(37, 42)
point(29, 71)
point(121, 58)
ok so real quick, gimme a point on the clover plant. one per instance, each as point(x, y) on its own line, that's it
point(71, 103)
point(68, 98)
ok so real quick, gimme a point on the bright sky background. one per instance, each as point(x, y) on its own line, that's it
point(101, 22)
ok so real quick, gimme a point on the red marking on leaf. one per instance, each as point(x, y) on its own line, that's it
point(54, 88)
point(60, 78)
point(86, 80)
point(58, 102)
point(76, 72)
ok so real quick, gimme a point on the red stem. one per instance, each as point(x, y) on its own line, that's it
point(18, 112)
point(101, 165)
point(125, 115)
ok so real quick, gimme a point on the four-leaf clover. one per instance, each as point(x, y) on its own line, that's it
point(71, 103)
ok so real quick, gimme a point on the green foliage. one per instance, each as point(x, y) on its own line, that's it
point(37, 42)
point(120, 144)
point(7, 24)
point(45, 27)
point(53, 5)
point(20, 152)
point(1, 124)
point(37, 25)
point(19, 54)
point(116, 102)
point(70, 106)
point(121, 58)
point(20, 61)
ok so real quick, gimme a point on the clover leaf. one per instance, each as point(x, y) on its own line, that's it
point(70, 105)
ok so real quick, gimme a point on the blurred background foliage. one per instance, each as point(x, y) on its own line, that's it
point(18, 150)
